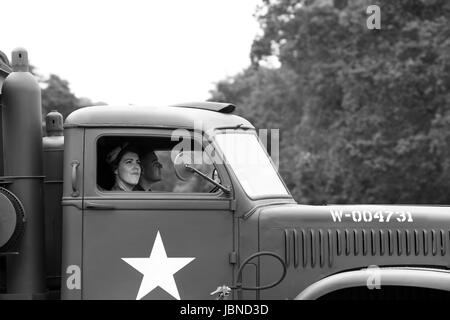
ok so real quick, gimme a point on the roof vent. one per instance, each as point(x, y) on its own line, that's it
point(211, 106)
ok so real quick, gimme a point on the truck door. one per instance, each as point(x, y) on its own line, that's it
point(170, 243)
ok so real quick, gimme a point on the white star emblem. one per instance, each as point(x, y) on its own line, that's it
point(158, 270)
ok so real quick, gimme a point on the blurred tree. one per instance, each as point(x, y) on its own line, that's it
point(370, 122)
point(56, 95)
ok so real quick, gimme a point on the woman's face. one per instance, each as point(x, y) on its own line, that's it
point(129, 169)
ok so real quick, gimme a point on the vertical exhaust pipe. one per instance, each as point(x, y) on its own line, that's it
point(22, 144)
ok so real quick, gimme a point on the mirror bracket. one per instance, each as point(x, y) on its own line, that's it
point(225, 189)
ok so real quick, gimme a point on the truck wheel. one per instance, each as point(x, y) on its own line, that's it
point(12, 220)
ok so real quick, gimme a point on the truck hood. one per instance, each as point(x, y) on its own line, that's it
point(317, 241)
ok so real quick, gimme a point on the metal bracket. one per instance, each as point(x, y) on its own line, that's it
point(13, 253)
point(5, 181)
point(233, 257)
point(233, 205)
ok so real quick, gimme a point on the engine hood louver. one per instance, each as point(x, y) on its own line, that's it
point(320, 247)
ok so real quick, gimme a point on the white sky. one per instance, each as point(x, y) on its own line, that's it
point(134, 51)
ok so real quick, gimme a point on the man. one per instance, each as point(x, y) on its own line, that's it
point(151, 171)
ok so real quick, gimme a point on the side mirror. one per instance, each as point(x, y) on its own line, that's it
point(184, 171)
point(181, 170)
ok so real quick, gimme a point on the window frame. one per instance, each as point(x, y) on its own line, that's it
point(92, 189)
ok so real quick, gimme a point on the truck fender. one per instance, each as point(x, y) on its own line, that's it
point(393, 276)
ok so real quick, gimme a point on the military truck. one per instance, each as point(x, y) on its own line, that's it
point(221, 229)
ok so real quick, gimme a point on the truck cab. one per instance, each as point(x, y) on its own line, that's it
point(188, 221)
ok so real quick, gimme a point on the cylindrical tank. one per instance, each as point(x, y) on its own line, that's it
point(5, 70)
point(53, 183)
point(22, 136)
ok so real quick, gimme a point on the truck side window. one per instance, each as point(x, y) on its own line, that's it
point(118, 156)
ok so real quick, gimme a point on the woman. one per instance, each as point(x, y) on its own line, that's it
point(126, 165)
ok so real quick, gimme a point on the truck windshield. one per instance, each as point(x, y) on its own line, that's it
point(251, 164)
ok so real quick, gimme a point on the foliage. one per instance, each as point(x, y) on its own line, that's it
point(56, 95)
point(364, 114)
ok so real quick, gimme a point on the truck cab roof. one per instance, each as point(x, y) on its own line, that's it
point(206, 115)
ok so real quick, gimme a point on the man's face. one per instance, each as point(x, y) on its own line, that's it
point(151, 168)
